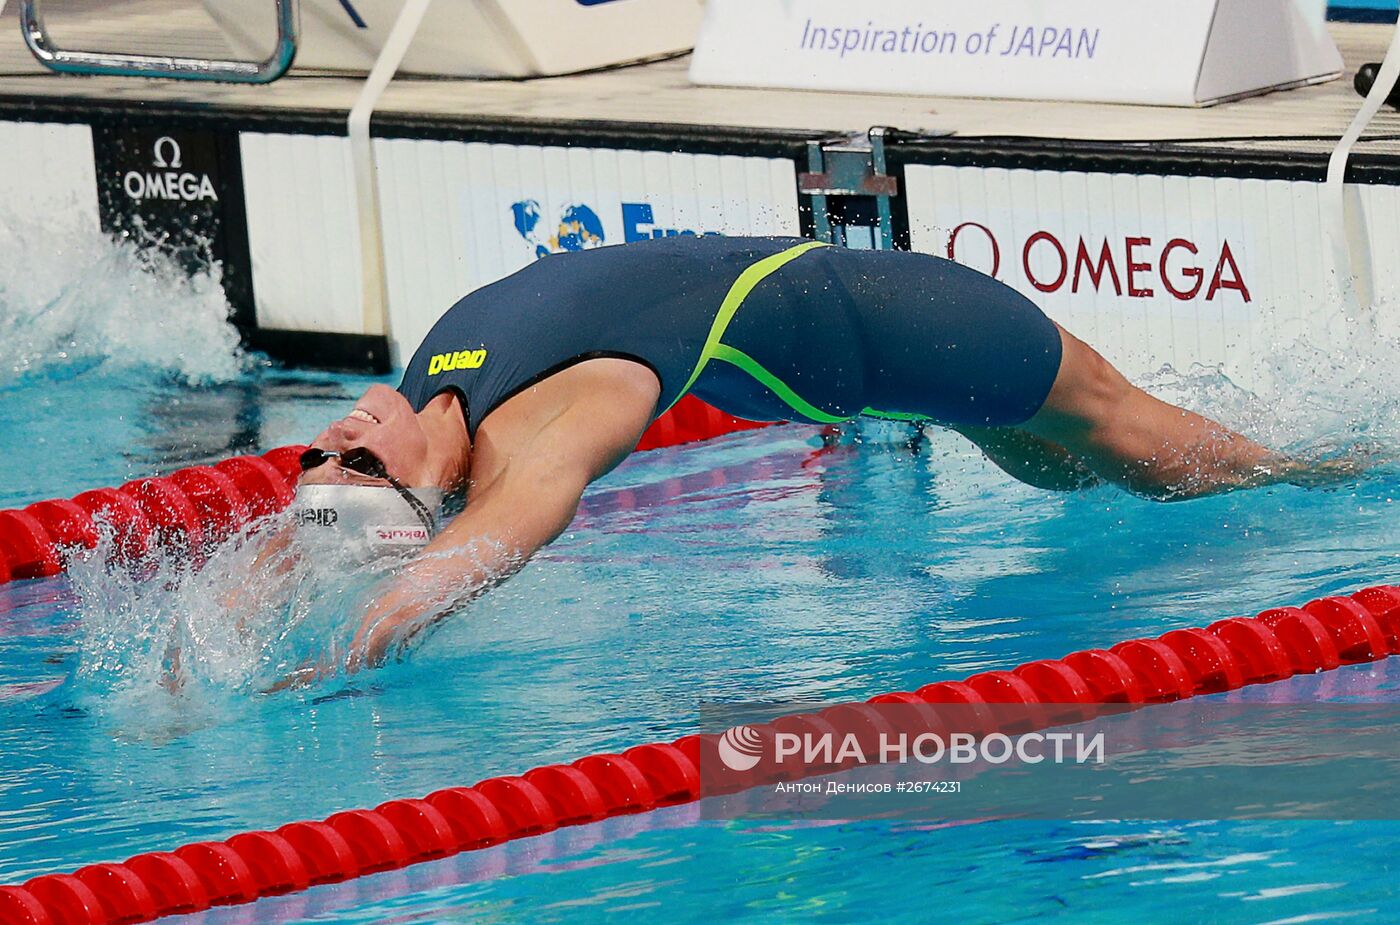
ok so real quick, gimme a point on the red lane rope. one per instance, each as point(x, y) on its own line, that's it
point(1227, 654)
point(193, 509)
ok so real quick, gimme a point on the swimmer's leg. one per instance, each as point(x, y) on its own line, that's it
point(1031, 459)
point(1150, 447)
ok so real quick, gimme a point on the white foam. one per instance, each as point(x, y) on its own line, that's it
point(228, 626)
point(1314, 397)
point(72, 299)
point(180, 639)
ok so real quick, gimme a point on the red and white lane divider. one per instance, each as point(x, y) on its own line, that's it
point(1275, 644)
point(194, 509)
point(187, 511)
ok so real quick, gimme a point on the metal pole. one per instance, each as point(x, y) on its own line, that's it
point(375, 294)
point(1350, 250)
point(122, 64)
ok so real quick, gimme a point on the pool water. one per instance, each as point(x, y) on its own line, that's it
point(764, 566)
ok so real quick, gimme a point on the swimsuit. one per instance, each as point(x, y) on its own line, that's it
point(762, 328)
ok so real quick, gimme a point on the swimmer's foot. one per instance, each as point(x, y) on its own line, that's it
point(1320, 473)
point(302, 677)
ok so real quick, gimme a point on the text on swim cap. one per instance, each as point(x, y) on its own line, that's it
point(398, 536)
point(320, 516)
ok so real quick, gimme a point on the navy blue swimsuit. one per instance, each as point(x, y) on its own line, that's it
point(763, 328)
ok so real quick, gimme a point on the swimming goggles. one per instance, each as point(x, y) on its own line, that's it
point(363, 462)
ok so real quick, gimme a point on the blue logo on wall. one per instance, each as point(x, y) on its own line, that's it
point(579, 227)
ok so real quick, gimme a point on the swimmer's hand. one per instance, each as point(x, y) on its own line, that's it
point(426, 592)
point(506, 521)
point(406, 606)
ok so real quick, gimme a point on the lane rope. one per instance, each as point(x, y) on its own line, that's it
point(1231, 653)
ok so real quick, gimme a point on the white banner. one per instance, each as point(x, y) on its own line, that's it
point(458, 216)
point(516, 203)
point(1134, 51)
point(1152, 270)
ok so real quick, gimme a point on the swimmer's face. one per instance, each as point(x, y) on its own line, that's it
point(382, 422)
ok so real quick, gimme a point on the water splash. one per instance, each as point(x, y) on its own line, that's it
point(1311, 398)
point(171, 643)
point(73, 300)
point(252, 613)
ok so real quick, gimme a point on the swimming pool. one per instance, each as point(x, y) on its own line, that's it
point(759, 567)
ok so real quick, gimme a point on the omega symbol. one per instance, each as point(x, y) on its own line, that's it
point(163, 143)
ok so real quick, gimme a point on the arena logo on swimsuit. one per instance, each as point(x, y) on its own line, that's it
point(462, 359)
point(1130, 266)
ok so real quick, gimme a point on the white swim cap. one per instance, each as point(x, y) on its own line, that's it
point(377, 519)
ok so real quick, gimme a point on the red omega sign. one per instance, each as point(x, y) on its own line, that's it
point(1133, 268)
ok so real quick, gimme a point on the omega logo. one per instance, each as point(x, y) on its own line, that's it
point(167, 180)
point(1130, 266)
point(162, 143)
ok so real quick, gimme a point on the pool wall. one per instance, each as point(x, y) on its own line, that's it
point(463, 205)
point(1154, 256)
point(1153, 266)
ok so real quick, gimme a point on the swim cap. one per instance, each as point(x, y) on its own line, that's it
point(375, 519)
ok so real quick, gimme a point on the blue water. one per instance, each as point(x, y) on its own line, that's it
point(759, 567)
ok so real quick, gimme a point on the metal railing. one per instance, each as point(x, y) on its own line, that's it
point(137, 65)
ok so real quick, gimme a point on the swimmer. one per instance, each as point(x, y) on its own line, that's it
point(529, 389)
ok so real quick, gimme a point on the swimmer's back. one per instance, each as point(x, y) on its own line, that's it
point(652, 301)
point(820, 333)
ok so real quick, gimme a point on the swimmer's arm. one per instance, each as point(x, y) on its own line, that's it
point(503, 526)
point(527, 483)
